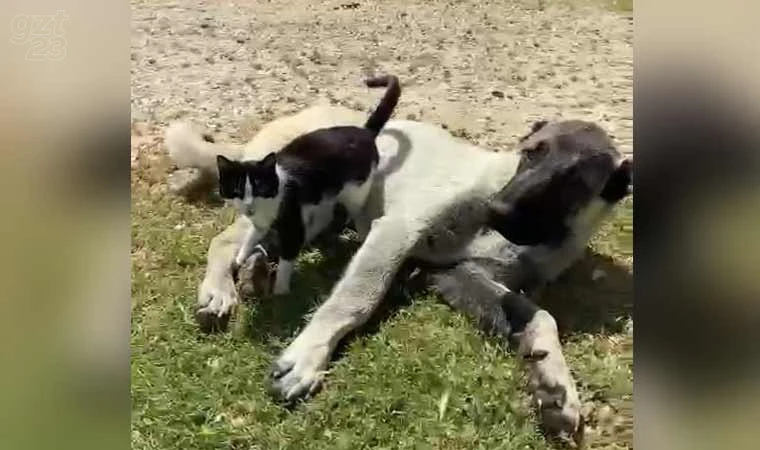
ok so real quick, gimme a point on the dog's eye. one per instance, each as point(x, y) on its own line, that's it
point(536, 153)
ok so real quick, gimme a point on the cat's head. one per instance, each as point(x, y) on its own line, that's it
point(243, 181)
point(569, 176)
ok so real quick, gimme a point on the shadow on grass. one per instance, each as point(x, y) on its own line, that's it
point(275, 318)
point(581, 304)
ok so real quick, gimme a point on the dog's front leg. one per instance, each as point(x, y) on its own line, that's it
point(298, 371)
point(217, 294)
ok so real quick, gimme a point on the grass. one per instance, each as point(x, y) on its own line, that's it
point(192, 391)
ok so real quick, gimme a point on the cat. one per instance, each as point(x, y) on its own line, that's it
point(296, 189)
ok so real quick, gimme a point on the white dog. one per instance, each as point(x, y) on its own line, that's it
point(489, 226)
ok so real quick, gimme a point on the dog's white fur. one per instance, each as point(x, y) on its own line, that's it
point(431, 207)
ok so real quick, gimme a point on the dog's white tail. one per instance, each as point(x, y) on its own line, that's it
point(189, 147)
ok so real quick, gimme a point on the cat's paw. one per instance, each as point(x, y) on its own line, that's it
point(554, 392)
point(217, 299)
point(299, 371)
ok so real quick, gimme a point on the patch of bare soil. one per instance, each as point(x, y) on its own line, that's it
point(486, 70)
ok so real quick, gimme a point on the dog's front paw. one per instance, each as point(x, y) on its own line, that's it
point(299, 371)
point(217, 299)
point(554, 393)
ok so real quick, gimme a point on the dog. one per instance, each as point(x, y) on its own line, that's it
point(487, 228)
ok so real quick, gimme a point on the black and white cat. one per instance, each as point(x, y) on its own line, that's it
point(296, 189)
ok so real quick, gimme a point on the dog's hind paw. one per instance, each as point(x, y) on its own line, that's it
point(554, 392)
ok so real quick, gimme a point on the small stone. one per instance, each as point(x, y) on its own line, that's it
point(164, 23)
point(497, 94)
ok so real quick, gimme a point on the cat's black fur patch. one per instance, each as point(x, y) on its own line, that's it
point(322, 162)
point(318, 163)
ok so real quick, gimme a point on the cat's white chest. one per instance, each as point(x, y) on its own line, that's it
point(316, 218)
point(264, 211)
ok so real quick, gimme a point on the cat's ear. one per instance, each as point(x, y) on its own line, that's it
point(222, 162)
point(269, 160)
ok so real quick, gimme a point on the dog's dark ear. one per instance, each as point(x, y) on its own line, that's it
point(538, 125)
point(619, 184)
point(592, 171)
point(222, 162)
point(534, 128)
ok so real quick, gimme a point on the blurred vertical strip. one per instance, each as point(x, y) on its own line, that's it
point(64, 129)
point(697, 215)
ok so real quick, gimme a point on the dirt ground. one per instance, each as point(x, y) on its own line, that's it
point(484, 69)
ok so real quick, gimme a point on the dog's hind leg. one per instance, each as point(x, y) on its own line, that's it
point(469, 288)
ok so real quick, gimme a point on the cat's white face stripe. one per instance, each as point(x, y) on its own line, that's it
point(247, 202)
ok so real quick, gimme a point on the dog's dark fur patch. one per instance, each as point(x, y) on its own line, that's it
point(564, 165)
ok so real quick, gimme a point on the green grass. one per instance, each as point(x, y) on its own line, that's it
point(623, 5)
point(192, 391)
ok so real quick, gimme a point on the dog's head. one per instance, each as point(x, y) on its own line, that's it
point(566, 169)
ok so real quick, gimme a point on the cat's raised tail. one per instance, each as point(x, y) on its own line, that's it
point(190, 147)
point(384, 110)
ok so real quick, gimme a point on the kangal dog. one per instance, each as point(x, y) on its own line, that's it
point(487, 228)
